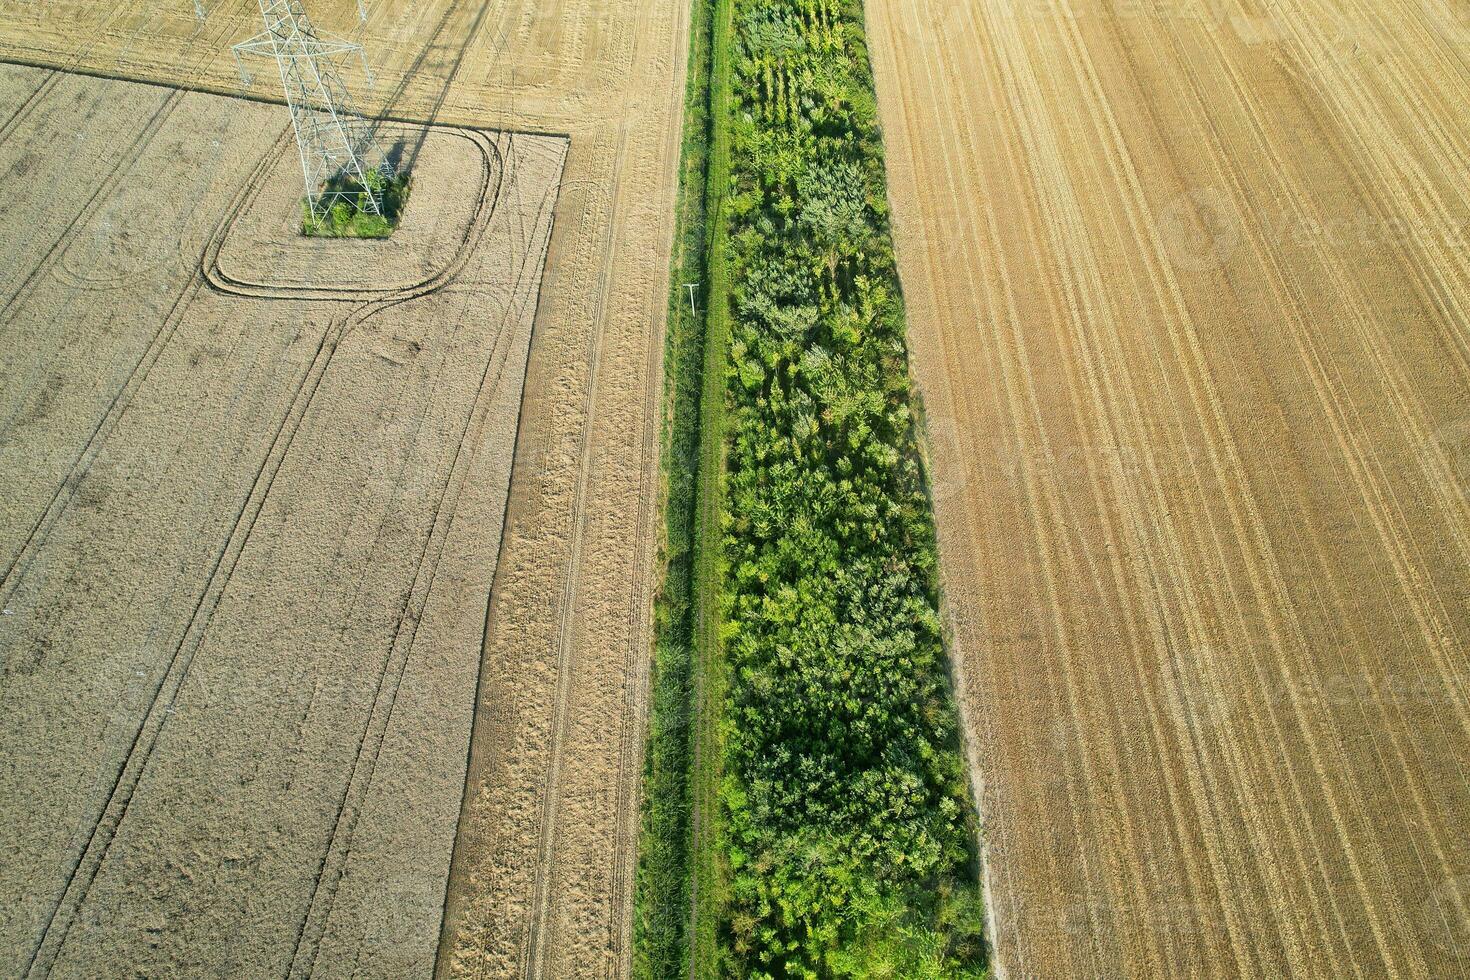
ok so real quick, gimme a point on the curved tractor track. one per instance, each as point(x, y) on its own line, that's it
point(249, 573)
point(541, 880)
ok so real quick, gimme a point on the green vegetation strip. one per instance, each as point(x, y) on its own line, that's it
point(831, 827)
point(663, 899)
point(710, 851)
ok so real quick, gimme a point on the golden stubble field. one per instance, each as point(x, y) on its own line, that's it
point(542, 865)
point(1188, 287)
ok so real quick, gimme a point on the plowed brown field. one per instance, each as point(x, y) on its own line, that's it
point(542, 868)
point(1188, 288)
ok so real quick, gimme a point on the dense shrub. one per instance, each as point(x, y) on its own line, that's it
point(845, 797)
point(355, 219)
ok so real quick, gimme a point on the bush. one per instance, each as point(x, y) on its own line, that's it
point(355, 220)
point(845, 798)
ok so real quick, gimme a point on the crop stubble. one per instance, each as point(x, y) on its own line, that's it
point(248, 538)
point(1187, 288)
point(542, 875)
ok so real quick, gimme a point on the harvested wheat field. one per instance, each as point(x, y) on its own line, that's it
point(259, 606)
point(1188, 292)
point(255, 493)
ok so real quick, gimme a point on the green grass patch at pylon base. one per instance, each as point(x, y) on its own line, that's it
point(352, 218)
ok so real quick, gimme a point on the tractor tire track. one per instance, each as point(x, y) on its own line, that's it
point(340, 842)
point(119, 797)
point(1229, 487)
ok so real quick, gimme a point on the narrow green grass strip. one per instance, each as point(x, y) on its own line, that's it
point(710, 864)
point(662, 900)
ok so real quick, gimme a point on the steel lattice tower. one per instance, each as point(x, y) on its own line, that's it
point(331, 135)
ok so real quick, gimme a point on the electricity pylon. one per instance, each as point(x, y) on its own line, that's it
point(332, 137)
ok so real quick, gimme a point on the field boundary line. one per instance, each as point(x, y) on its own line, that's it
point(225, 92)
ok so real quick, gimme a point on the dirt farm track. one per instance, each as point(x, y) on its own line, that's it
point(256, 740)
point(1189, 297)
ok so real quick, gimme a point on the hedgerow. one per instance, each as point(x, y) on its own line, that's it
point(844, 799)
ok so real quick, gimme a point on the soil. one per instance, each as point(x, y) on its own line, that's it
point(1187, 287)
